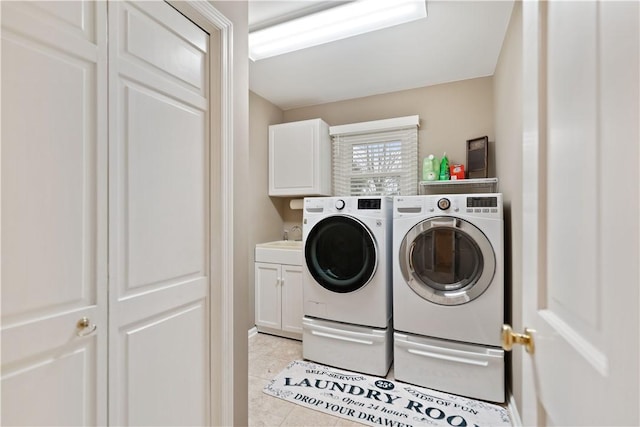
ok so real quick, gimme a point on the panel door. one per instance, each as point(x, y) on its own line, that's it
point(292, 302)
point(581, 205)
point(158, 216)
point(54, 223)
point(268, 298)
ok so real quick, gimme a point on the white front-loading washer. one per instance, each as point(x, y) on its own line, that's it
point(448, 293)
point(346, 282)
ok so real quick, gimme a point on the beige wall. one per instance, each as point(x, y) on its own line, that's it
point(237, 13)
point(508, 126)
point(449, 114)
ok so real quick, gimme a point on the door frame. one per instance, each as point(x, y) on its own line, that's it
point(533, 201)
point(221, 309)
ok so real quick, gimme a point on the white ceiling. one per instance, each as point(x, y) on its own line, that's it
point(458, 40)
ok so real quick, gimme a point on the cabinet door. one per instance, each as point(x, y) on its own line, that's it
point(300, 159)
point(292, 298)
point(268, 301)
point(54, 224)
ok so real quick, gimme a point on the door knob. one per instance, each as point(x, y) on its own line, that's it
point(85, 327)
point(509, 338)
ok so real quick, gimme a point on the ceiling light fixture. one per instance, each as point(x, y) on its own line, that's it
point(333, 24)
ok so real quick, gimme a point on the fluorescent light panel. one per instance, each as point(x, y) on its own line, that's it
point(333, 24)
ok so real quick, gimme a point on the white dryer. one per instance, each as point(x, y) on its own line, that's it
point(448, 293)
point(346, 282)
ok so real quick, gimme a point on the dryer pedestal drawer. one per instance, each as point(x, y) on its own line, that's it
point(345, 346)
point(459, 368)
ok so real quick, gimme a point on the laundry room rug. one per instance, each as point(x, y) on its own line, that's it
point(377, 401)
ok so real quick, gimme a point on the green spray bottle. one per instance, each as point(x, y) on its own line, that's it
point(444, 168)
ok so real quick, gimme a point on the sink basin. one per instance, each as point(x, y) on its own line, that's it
point(282, 244)
point(280, 252)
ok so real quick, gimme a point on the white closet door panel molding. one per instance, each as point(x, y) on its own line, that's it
point(67, 374)
point(134, 308)
point(55, 204)
point(177, 396)
point(166, 215)
point(154, 37)
point(60, 332)
point(136, 74)
point(70, 25)
point(79, 16)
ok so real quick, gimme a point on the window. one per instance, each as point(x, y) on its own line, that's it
point(376, 158)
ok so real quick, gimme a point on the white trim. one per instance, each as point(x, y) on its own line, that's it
point(531, 39)
point(512, 407)
point(376, 125)
point(222, 338)
point(253, 332)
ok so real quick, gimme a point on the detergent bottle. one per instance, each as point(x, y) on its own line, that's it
point(429, 171)
point(444, 167)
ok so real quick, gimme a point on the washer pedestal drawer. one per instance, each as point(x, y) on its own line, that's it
point(465, 369)
point(352, 347)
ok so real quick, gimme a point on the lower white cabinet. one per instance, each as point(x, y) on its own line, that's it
point(279, 299)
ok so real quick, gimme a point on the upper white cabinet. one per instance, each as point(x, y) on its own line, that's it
point(300, 159)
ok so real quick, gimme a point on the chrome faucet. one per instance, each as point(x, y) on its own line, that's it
point(296, 228)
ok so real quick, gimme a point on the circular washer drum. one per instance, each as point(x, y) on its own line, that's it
point(340, 253)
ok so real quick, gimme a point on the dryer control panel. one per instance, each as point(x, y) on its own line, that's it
point(487, 205)
point(482, 204)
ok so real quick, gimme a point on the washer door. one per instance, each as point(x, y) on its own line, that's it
point(447, 260)
point(340, 253)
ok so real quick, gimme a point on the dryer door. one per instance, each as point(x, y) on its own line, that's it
point(341, 254)
point(447, 260)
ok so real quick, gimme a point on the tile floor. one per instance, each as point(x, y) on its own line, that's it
point(268, 355)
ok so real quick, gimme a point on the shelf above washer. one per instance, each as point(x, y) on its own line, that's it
point(459, 186)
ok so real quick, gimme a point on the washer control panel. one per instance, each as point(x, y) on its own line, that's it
point(369, 206)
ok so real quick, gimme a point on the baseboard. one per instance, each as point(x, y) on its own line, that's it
point(253, 332)
point(513, 411)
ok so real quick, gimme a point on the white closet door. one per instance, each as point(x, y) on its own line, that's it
point(158, 217)
point(54, 205)
point(581, 222)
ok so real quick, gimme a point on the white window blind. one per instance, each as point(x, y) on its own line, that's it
point(376, 158)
